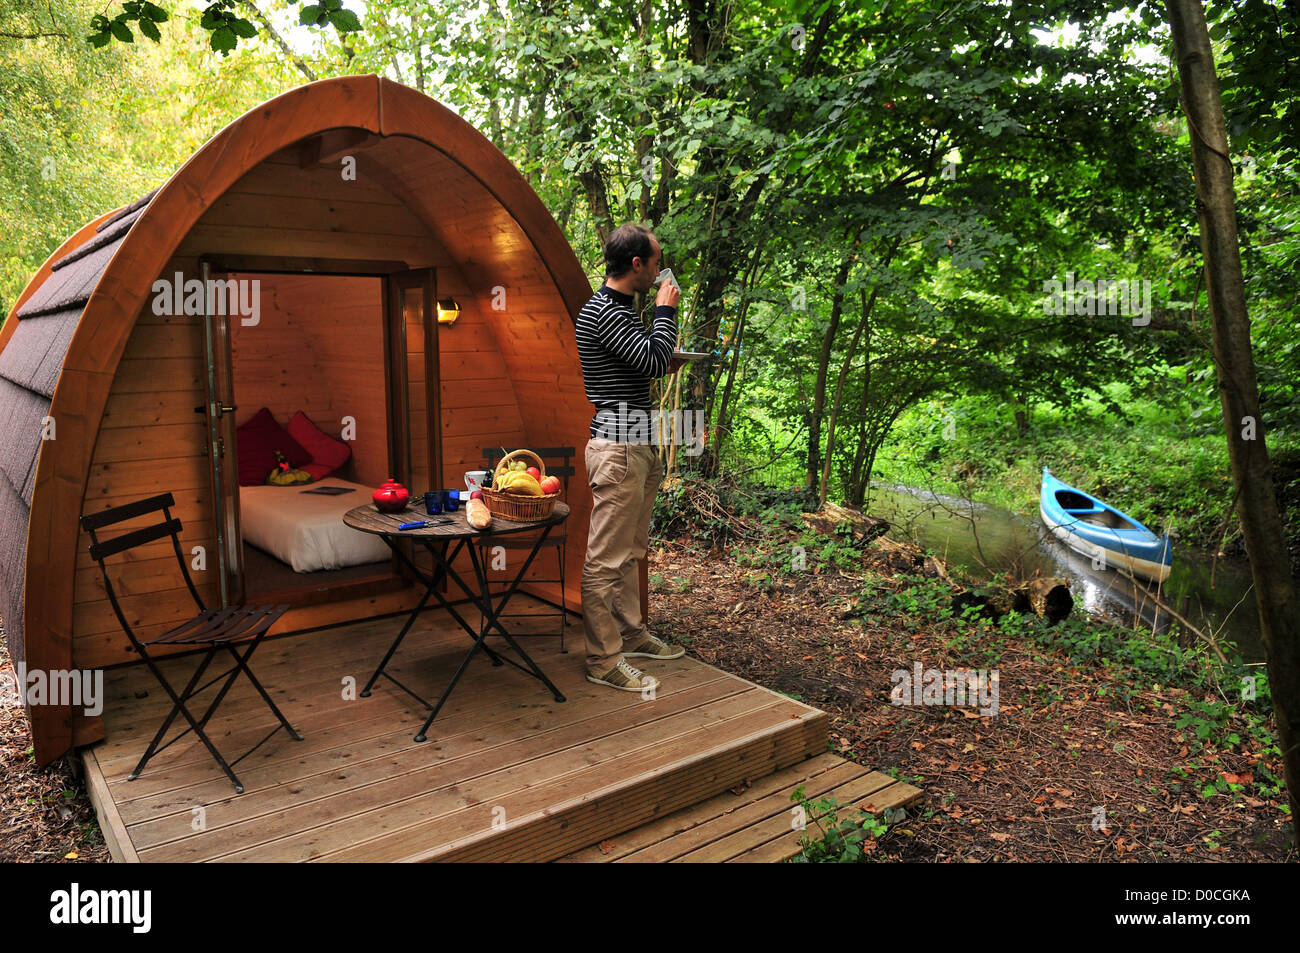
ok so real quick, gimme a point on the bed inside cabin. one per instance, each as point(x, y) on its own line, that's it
point(309, 384)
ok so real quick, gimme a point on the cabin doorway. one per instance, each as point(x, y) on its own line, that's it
point(342, 358)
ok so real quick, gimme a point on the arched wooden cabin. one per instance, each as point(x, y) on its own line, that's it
point(355, 203)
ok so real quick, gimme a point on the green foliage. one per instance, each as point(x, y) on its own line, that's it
point(145, 15)
point(220, 19)
point(1166, 470)
point(841, 841)
point(711, 513)
point(225, 26)
point(923, 603)
point(85, 130)
point(329, 11)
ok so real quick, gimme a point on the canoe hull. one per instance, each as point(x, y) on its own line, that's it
point(1102, 533)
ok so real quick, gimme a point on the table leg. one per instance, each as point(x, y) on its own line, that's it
point(365, 692)
point(491, 615)
point(482, 599)
point(442, 565)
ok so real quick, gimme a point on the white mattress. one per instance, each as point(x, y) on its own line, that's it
point(306, 530)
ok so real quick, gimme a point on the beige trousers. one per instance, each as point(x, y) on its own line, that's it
point(624, 480)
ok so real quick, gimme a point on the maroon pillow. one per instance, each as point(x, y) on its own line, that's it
point(319, 471)
point(327, 453)
point(255, 444)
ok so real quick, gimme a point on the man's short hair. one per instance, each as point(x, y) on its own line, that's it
point(623, 244)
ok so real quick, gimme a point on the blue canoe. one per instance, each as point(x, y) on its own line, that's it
point(1101, 532)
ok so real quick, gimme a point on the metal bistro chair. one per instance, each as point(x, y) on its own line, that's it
point(216, 629)
point(526, 541)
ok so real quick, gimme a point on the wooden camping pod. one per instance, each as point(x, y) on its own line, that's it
point(268, 194)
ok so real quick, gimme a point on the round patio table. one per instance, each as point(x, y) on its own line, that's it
point(447, 529)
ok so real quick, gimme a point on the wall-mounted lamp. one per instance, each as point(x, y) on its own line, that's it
point(448, 311)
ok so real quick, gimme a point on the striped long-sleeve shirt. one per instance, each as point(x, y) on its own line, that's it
point(619, 359)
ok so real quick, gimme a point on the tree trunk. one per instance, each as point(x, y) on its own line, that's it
point(731, 224)
point(857, 483)
point(419, 55)
point(865, 456)
point(823, 369)
point(494, 123)
point(275, 36)
point(593, 184)
point(867, 305)
point(725, 411)
point(1022, 416)
point(1256, 502)
point(823, 484)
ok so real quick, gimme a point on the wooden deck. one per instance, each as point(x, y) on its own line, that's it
point(507, 773)
point(756, 824)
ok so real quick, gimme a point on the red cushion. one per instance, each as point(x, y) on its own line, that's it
point(327, 453)
point(255, 444)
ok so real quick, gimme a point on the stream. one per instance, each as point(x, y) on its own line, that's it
point(1215, 596)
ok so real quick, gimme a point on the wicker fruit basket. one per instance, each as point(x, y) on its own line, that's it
point(511, 506)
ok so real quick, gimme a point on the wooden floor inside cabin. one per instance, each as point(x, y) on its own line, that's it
point(508, 773)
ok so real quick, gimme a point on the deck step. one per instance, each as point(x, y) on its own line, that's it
point(756, 825)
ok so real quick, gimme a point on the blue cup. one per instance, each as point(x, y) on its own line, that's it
point(433, 502)
point(451, 500)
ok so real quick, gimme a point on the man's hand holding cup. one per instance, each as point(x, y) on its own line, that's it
point(669, 294)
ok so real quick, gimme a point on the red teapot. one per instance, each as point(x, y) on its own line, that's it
point(392, 497)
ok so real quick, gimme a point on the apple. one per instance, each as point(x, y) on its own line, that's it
point(476, 495)
point(533, 472)
point(551, 485)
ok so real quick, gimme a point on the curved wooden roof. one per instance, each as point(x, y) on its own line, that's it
point(83, 309)
point(33, 346)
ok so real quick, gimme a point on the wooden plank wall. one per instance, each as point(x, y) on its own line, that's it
point(478, 399)
point(539, 398)
point(152, 440)
point(318, 348)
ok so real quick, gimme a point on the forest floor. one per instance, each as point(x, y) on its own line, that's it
point(1083, 761)
point(45, 814)
point(1102, 748)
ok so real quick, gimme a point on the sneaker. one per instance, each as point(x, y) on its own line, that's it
point(625, 677)
point(655, 648)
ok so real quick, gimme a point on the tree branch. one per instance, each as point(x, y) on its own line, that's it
point(279, 40)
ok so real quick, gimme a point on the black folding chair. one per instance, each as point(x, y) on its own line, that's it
point(217, 629)
point(525, 541)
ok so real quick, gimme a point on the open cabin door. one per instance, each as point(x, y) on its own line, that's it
point(415, 429)
point(414, 433)
point(220, 409)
